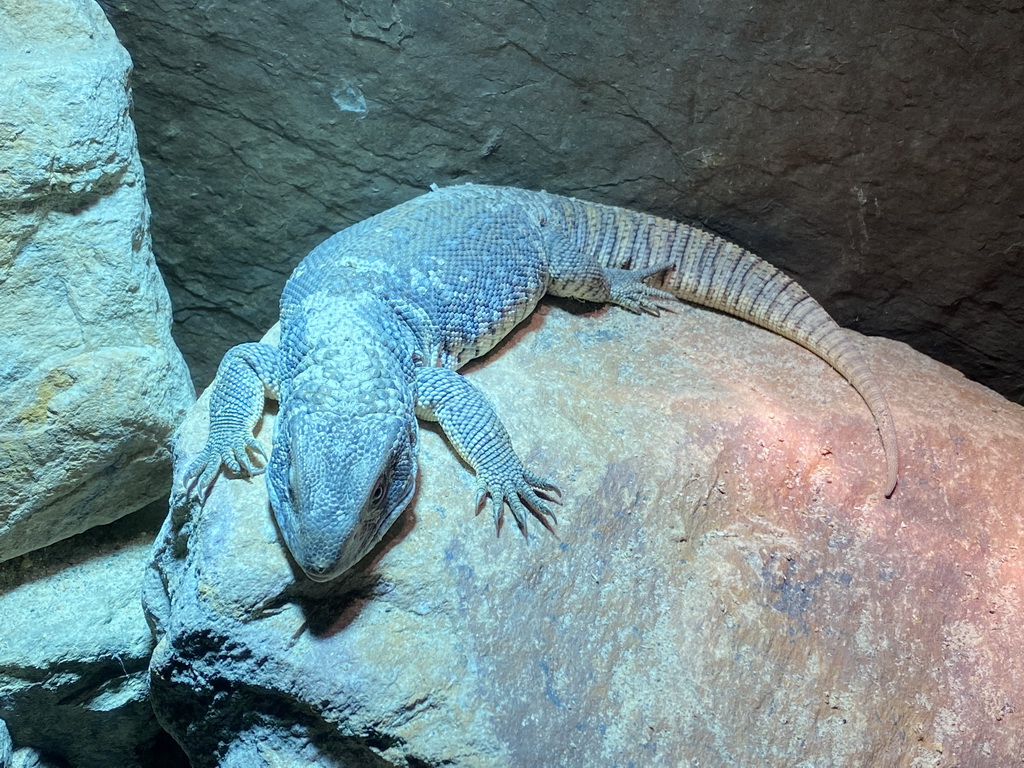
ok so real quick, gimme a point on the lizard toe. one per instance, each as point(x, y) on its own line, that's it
point(528, 495)
point(252, 459)
point(199, 477)
point(544, 486)
point(629, 290)
point(520, 513)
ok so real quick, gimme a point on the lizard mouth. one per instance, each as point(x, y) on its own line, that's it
point(388, 520)
point(319, 575)
point(351, 553)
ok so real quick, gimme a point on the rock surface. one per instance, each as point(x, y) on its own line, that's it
point(728, 586)
point(91, 383)
point(873, 150)
point(74, 649)
point(6, 748)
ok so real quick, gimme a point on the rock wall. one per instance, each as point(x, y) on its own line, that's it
point(91, 383)
point(871, 149)
point(728, 587)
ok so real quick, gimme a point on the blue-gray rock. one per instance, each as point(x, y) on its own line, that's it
point(91, 383)
point(6, 748)
point(74, 649)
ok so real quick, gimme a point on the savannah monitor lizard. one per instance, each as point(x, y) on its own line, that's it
point(377, 319)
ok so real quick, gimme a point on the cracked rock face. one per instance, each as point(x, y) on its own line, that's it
point(91, 383)
point(728, 586)
point(871, 150)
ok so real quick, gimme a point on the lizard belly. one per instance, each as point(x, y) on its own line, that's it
point(484, 279)
point(471, 335)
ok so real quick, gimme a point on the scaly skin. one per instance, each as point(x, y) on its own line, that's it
point(376, 321)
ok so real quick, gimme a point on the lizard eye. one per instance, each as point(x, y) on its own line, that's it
point(378, 492)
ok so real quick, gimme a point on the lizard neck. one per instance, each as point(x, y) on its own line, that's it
point(352, 357)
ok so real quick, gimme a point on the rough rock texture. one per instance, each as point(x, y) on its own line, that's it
point(74, 648)
point(871, 149)
point(6, 748)
point(727, 587)
point(91, 383)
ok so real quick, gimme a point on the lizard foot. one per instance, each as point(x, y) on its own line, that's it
point(239, 458)
point(629, 290)
point(524, 492)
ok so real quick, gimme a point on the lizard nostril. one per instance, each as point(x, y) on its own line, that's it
point(318, 573)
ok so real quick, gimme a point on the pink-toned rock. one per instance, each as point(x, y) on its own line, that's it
point(728, 587)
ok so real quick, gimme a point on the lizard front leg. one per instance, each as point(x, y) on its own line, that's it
point(479, 437)
point(246, 376)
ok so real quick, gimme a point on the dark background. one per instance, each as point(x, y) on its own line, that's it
point(872, 149)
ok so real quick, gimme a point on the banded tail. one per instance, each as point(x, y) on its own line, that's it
point(708, 270)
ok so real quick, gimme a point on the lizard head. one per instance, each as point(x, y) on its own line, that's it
point(337, 483)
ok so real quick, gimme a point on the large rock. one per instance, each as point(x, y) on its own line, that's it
point(871, 149)
point(74, 650)
point(91, 383)
point(728, 585)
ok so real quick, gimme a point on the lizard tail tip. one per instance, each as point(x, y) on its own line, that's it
point(892, 475)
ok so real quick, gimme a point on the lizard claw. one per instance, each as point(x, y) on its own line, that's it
point(547, 489)
point(246, 458)
point(629, 290)
point(524, 494)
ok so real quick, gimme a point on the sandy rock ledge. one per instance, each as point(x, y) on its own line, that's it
point(728, 586)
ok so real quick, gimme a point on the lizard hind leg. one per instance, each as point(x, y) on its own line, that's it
point(630, 290)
